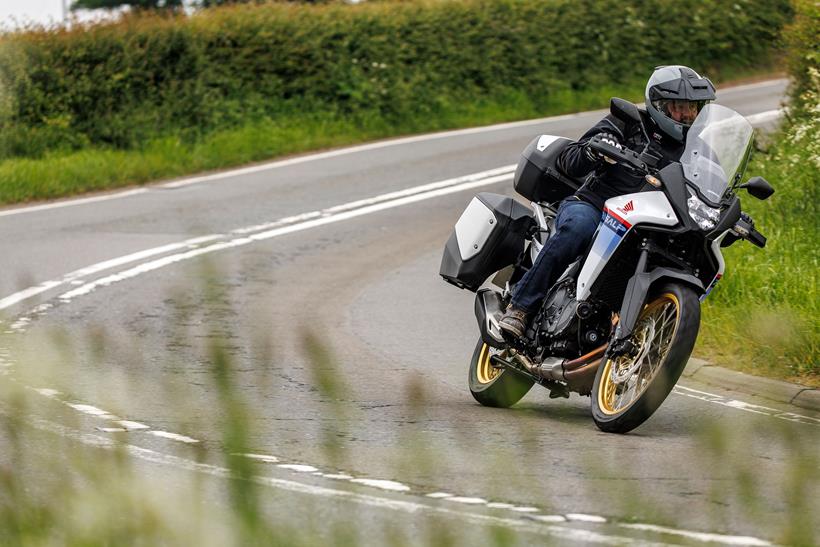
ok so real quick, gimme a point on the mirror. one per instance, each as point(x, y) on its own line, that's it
point(758, 187)
point(624, 110)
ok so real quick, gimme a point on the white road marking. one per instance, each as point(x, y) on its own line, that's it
point(261, 457)
point(700, 536)
point(581, 517)
point(747, 407)
point(132, 426)
point(173, 436)
point(547, 518)
point(575, 535)
point(337, 476)
point(383, 484)
point(299, 468)
point(572, 535)
point(72, 201)
point(76, 275)
point(262, 231)
point(466, 499)
point(326, 217)
point(92, 411)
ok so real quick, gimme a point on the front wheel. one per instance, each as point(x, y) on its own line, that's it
point(629, 388)
point(491, 386)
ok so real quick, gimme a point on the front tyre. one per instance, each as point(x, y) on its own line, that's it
point(491, 386)
point(629, 388)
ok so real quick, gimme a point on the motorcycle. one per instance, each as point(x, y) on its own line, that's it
point(621, 321)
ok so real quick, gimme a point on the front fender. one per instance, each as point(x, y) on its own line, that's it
point(637, 289)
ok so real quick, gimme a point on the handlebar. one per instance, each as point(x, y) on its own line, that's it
point(624, 156)
point(745, 228)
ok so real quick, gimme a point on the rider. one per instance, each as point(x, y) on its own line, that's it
point(674, 97)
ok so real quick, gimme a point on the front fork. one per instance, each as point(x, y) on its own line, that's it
point(635, 297)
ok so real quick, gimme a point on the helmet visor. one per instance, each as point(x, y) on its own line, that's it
point(680, 110)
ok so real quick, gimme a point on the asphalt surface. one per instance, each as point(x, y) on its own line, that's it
point(347, 353)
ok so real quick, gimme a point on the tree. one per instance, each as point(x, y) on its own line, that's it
point(135, 4)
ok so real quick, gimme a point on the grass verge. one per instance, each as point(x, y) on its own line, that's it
point(763, 318)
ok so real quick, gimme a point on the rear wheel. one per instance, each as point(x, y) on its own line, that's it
point(629, 388)
point(491, 386)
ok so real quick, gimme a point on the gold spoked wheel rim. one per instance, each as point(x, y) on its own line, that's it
point(625, 378)
point(485, 372)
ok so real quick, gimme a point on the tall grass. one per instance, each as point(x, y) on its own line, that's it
point(764, 317)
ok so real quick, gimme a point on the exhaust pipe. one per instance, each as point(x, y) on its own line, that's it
point(555, 368)
point(487, 312)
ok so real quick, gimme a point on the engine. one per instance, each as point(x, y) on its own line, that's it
point(567, 328)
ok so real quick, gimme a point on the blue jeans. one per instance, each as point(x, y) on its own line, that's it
point(574, 227)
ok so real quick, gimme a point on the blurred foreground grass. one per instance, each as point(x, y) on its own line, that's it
point(64, 483)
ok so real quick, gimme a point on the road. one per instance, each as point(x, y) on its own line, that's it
point(300, 300)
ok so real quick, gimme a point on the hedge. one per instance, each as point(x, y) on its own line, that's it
point(121, 85)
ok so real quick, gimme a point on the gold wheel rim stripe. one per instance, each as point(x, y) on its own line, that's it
point(485, 372)
point(606, 390)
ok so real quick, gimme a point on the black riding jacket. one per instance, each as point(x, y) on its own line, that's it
point(603, 180)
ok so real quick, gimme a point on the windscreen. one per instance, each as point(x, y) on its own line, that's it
point(717, 146)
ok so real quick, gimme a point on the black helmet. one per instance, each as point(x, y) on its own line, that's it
point(677, 92)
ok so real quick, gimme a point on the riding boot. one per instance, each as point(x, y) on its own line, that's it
point(514, 321)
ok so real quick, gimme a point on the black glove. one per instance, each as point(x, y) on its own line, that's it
point(608, 138)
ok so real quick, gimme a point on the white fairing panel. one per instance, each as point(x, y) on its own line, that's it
point(721, 264)
point(620, 214)
point(544, 141)
point(474, 228)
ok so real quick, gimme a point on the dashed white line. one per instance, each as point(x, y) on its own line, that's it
point(467, 500)
point(261, 457)
point(299, 468)
point(132, 426)
point(173, 436)
point(746, 407)
point(383, 484)
point(92, 411)
point(547, 518)
point(337, 476)
point(700, 536)
point(581, 517)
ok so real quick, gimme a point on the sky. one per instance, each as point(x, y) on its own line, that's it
point(15, 13)
point(39, 11)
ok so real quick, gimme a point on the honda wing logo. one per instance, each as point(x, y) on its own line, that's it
point(628, 208)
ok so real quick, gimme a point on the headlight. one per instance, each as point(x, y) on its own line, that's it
point(705, 216)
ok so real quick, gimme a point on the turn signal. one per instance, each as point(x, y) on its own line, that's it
point(654, 181)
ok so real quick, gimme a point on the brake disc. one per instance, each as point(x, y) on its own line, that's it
point(622, 373)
